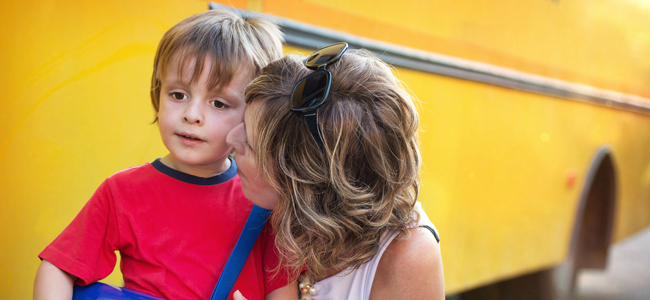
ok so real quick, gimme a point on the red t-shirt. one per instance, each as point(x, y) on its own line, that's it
point(174, 232)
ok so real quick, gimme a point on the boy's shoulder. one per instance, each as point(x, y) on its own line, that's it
point(133, 174)
point(135, 170)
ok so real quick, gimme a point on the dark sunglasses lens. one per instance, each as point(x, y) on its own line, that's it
point(310, 91)
point(325, 55)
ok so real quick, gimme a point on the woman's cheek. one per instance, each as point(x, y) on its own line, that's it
point(268, 198)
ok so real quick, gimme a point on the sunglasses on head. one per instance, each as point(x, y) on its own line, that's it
point(312, 90)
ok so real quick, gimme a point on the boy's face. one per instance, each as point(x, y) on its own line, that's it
point(195, 120)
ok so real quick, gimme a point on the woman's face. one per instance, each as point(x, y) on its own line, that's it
point(243, 138)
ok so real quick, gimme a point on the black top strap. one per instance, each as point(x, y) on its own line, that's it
point(435, 233)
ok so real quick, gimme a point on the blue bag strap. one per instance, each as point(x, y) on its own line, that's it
point(239, 254)
point(103, 291)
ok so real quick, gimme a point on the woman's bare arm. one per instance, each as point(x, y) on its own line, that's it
point(410, 269)
point(288, 292)
point(52, 283)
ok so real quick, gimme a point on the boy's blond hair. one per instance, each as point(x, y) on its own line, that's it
point(232, 42)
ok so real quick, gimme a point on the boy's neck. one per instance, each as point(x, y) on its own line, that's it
point(204, 171)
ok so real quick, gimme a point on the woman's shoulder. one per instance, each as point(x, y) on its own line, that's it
point(411, 267)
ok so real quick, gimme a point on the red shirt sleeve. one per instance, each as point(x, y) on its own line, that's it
point(86, 248)
point(274, 277)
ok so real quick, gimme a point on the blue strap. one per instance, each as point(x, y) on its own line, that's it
point(102, 291)
point(239, 254)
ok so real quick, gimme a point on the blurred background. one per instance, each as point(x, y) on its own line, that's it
point(535, 124)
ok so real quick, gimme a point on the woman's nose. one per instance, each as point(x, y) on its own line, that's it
point(233, 139)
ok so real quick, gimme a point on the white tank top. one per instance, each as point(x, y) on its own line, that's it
point(356, 284)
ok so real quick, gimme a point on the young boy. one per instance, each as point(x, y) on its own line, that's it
point(176, 220)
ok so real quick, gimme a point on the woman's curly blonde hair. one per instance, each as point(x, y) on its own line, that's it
point(335, 202)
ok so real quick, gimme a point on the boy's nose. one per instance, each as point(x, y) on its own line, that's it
point(193, 113)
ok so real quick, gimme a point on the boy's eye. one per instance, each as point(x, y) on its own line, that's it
point(218, 104)
point(178, 96)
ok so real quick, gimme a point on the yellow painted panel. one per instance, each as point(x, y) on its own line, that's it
point(495, 174)
point(75, 110)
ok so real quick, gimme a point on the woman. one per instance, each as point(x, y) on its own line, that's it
point(330, 143)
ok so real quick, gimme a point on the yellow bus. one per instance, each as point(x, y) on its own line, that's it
point(535, 121)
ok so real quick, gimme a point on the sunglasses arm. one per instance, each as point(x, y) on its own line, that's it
point(313, 127)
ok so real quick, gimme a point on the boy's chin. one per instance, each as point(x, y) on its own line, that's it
point(191, 165)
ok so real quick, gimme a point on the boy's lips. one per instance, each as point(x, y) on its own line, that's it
point(189, 139)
